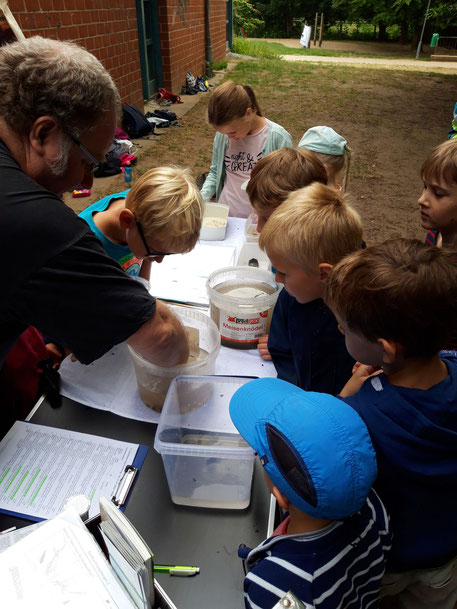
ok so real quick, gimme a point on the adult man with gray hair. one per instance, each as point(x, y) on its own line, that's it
point(58, 113)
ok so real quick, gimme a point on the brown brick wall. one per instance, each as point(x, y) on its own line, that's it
point(182, 35)
point(106, 29)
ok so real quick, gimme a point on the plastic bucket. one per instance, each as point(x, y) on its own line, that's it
point(242, 299)
point(153, 381)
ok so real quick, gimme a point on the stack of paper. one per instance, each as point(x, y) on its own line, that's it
point(129, 554)
point(60, 565)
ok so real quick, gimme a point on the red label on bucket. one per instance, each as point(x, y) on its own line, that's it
point(243, 329)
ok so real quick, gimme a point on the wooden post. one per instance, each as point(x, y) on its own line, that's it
point(315, 29)
point(321, 29)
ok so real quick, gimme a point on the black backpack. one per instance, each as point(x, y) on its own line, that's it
point(135, 123)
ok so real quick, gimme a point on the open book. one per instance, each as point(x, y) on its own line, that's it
point(129, 555)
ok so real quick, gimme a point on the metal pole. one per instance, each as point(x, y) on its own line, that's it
point(422, 33)
point(208, 47)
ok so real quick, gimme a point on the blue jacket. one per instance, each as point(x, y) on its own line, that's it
point(414, 433)
point(306, 346)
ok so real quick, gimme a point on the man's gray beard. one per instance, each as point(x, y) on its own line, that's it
point(59, 166)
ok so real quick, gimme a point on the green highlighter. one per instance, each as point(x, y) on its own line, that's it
point(179, 570)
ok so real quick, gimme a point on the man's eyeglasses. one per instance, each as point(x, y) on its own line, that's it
point(94, 163)
point(149, 254)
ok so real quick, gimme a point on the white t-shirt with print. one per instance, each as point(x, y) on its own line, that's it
point(240, 159)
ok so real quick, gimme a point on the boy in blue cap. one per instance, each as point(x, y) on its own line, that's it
point(396, 304)
point(319, 463)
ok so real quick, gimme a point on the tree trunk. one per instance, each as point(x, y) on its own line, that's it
point(416, 37)
point(382, 32)
point(404, 33)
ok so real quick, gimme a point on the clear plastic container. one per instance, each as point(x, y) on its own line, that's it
point(153, 381)
point(242, 299)
point(207, 462)
point(250, 229)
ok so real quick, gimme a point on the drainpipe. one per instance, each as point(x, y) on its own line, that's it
point(208, 48)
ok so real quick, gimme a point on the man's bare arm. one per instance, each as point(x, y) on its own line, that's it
point(162, 340)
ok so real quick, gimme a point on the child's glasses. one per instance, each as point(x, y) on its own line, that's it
point(149, 254)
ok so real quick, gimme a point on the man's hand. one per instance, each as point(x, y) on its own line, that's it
point(262, 346)
point(162, 340)
point(360, 373)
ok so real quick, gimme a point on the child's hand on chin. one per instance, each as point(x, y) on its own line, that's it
point(360, 373)
point(262, 346)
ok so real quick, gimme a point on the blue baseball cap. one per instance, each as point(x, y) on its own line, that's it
point(323, 139)
point(314, 447)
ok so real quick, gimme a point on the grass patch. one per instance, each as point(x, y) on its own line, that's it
point(254, 48)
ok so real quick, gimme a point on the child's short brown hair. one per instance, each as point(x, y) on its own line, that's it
point(281, 172)
point(168, 203)
point(401, 290)
point(441, 165)
point(313, 225)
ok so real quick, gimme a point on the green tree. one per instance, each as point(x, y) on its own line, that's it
point(246, 16)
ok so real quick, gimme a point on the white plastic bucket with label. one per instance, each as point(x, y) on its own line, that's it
point(242, 299)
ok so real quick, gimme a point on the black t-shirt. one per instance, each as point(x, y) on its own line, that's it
point(56, 275)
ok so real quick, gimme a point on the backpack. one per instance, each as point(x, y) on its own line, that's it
point(112, 163)
point(164, 95)
point(134, 122)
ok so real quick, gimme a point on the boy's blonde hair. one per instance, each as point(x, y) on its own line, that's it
point(313, 225)
point(168, 203)
point(441, 165)
point(230, 101)
point(400, 290)
point(281, 172)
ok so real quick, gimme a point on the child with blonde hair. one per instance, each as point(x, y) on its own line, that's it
point(333, 150)
point(304, 238)
point(160, 215)
point(243, 137)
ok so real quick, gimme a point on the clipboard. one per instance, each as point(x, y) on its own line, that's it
point(41, 466)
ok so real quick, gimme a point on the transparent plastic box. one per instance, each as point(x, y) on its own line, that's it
point(206, 461)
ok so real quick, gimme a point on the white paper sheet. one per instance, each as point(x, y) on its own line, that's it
point(110, 384)
point(59, 565)
point(40, 467)
point(182, 278)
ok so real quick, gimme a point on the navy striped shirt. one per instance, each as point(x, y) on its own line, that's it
point(337, 567)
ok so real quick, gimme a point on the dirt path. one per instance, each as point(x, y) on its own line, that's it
point(393, 64)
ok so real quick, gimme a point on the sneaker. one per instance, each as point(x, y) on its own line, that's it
point(186, 90)
point(200, 84)
point(190, 80)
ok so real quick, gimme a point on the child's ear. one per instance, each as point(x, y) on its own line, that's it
point(283, 502)
point(391, 351)
point(126, 218)
point(325, 270)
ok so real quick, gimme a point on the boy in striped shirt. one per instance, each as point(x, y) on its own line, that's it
point(320, 464)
